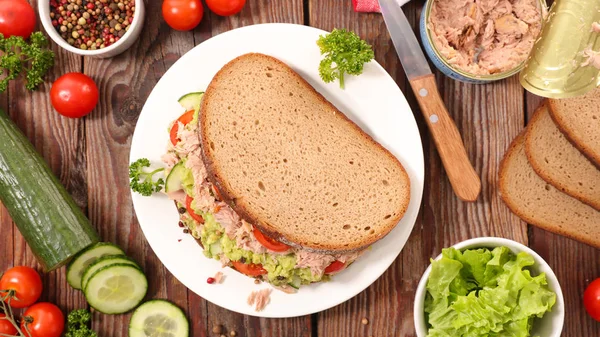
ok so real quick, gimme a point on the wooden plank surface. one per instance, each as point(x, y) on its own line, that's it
point(89, 156)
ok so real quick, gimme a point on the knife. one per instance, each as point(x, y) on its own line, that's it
point(463, 178)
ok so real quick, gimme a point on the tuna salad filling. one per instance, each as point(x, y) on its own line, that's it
point(224, 235)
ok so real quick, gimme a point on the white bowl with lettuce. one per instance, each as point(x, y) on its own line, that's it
point(489, 286)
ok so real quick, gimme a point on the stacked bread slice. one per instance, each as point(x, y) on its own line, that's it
point(550, 176)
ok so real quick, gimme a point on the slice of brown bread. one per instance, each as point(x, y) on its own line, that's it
point(579, 119)
point(292, 164)
point(558, 162)
point(542, 205)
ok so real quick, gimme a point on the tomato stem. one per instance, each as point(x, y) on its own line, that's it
point(5, 299)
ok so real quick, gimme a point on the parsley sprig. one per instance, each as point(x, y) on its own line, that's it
point(345, 53)
point(31, 57)
point(77, 324)
point(141, 180)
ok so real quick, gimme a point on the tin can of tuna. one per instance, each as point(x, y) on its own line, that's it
point(452, 70)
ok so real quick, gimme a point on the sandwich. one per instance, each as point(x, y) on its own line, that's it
point(276, 182)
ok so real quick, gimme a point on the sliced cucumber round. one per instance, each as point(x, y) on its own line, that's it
point(103, 262)
point(175, 178)
point(116, 289)
point(191, 101)
point(82, 260)
point(158, 318)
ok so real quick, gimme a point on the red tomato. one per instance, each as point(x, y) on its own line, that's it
point(26, 284)
point(591, 299)
point(335, 266)
point(184, 119)
point(182, 14)
point(250, 269)
point(43, 320)
point(225, 7)
point(6, 327)
point(74, 95)
point(17, 17)
point(188, 205)
point(216, 193)
point(269, 243)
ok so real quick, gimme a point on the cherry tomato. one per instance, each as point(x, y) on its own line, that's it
point(44, 320)
point(74, 95)
point(187, 117)
point(250, 269)
point(591, 299)
point(6, 327)
point(225, 7)
point(269, 243)
point(335, 266)
point(182, 14)
point(188, 205)
point(25, 282)
point(17, 18)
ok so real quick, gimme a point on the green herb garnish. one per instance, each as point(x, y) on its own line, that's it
point(345, 53)
point(77, 324)
point(32, 57)
point(142, 181)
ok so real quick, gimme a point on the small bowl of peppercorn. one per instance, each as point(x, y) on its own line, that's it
point(96, 28)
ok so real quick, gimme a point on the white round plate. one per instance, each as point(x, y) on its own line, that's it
point(372, 100)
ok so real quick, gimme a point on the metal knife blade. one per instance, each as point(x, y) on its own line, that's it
point(407, 46)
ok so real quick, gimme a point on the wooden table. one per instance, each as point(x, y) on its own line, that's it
point(90, 156)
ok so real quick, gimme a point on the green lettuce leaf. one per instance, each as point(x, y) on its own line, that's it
point(483, 293)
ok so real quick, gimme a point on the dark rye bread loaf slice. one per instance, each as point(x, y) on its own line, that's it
point(579, 119)
point(558, 162)
point(542, 205)
point(292, 164)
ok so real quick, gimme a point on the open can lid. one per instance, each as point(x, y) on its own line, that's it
point(556, 67)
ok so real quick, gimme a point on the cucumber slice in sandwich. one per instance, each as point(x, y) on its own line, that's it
point(191, 101)
point(175, 178)
point(158, 318)
point(116, 289)
point(85, 258)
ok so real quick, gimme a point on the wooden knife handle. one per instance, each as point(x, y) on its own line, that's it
point(464, 179)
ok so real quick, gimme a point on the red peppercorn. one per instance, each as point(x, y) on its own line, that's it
point(210, 280)
point(69, 13)
point(60, 21)
point(90, 5)
point(54, 23)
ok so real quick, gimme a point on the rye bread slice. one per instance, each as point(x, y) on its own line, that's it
point(540, 204)
point(292, 164)
point(558, 162)
point(579, 119)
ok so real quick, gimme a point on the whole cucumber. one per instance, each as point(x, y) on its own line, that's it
point(54, 227)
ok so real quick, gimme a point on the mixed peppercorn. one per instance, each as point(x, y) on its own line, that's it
point(92, 24)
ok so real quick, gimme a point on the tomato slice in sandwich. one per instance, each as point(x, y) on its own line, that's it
point(335, 266)
point(188, 205)
point(250, 269)
point(183, 119)
point(269, 243)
